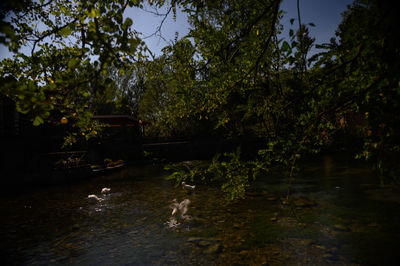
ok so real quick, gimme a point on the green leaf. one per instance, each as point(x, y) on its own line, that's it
point(37, 121)
point(72, 26)
point(133, 43)
point(65, 31)
point(285, 46)
point(128, 22)
point(73, 63)
point(92, 13)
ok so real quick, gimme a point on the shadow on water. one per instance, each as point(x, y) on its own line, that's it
point(337, 216)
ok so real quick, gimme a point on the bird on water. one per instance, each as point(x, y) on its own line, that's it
point(179, 209)
point(187, 187)
point(105, 190)
point(93, 198)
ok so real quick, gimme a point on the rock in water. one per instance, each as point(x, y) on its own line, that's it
point(341, 228)
point(304, 202)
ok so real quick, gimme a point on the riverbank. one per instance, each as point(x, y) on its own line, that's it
point(33, 168)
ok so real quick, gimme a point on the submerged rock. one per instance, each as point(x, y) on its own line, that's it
point(373, 224)
point(341, 227)
point(215, 248)
point(303, 202)
point(307, 242)
point(203, 239)
point(386, 194)
point(287, 221)
point(284, 201)
point(194, 239)
point(236, 225)
point(204, 243)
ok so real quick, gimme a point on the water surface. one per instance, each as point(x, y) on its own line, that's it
point(338, 216)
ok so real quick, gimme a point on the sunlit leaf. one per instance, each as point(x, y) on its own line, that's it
point(38, 121)
point(66, 31)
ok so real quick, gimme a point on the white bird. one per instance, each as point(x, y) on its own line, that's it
point(174, 206)
point(93, 198)
point(179, 209)
point(105, 190)
point(187, 187)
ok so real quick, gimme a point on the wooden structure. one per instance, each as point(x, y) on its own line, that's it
point(120, 121)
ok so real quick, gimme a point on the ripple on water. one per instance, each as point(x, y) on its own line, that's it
point(133, 224)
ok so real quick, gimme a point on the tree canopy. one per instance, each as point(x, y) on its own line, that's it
point(74, 45)
point(233, 76)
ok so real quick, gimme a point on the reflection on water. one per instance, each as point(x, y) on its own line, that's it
point(338, 216)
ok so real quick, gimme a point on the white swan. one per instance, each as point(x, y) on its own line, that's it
point(93, 198)
point(188, 187)
point(105, 190)
point(179, 209)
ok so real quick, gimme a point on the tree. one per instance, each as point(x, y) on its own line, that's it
point(124, 93)
point(171, 100)
point(298, 109)
point(73, 46)
point(360, 75)
point(232, 46)
point(231, 74)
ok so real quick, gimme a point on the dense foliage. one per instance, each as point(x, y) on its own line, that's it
point(252, 84)
point(232, 76)
point(74, 45)
point(360, 78)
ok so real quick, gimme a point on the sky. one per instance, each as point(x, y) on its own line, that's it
point(325, 14)
point(147, 24)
